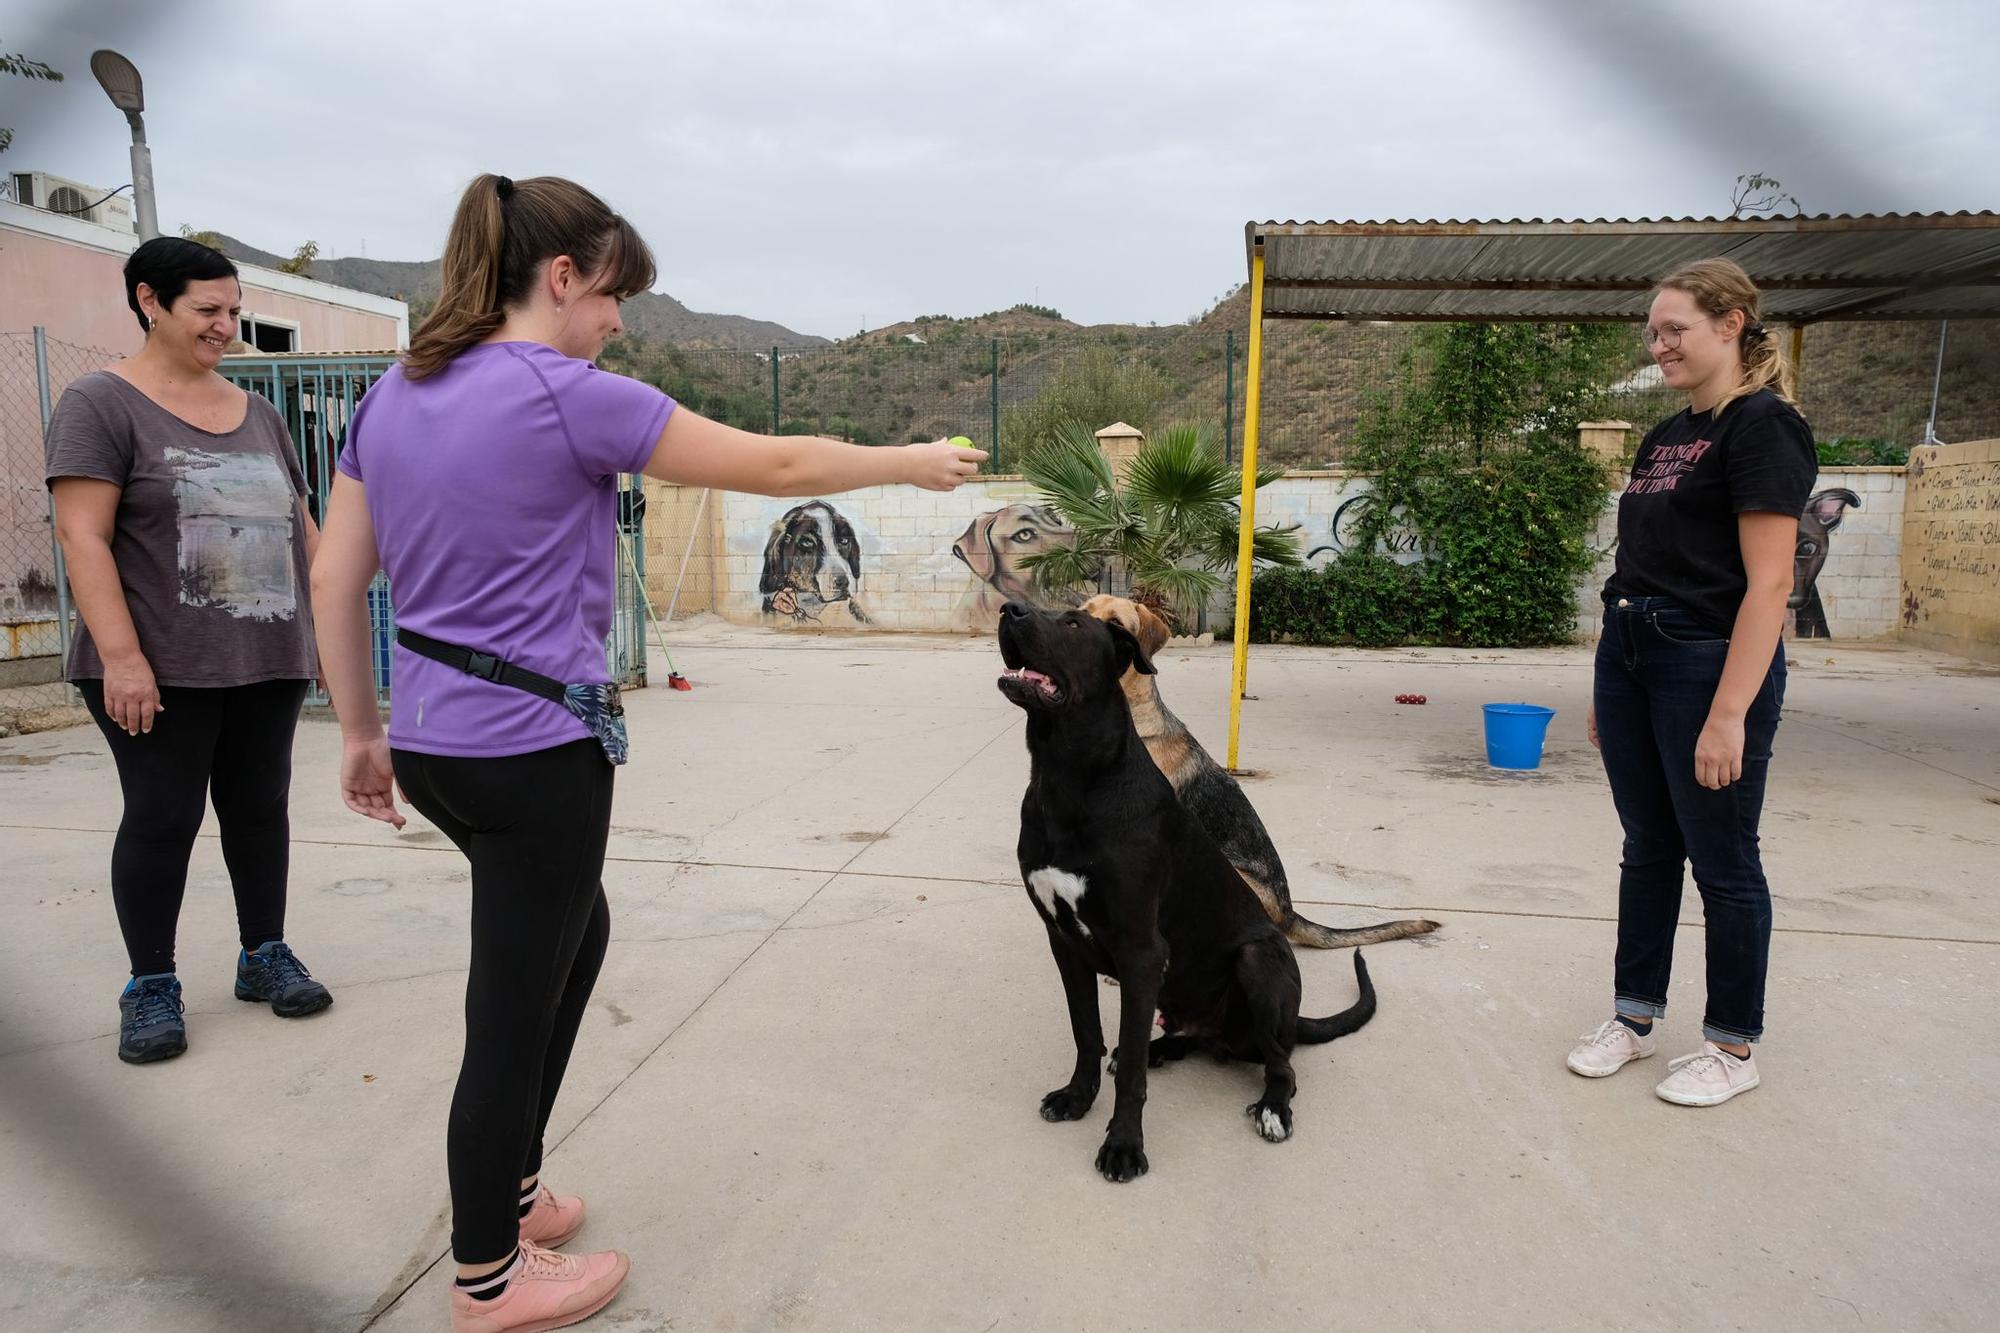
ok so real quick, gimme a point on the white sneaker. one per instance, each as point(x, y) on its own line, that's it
point(1604, 1052)
point(1709, 1077)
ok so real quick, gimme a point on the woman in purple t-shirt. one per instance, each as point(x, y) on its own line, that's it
point(480, 475)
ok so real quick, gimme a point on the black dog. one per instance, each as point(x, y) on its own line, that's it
point(1128, 885)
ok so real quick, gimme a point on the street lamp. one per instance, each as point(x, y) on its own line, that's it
point(120, 79)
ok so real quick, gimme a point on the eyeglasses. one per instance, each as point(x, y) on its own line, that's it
point(1669, 335)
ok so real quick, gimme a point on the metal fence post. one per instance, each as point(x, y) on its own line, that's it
point(55, 545)
point(1937, 383)
point(993, 409)
point(1228, 395)
point(776, 418)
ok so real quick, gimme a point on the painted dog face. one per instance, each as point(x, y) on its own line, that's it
point(994, 544)
point(1820, 517)
point(1063, 659)
point(811, 561)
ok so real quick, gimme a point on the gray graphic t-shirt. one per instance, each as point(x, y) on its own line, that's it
point(209, 544)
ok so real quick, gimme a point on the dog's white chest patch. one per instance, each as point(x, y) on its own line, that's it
point(1049, 884)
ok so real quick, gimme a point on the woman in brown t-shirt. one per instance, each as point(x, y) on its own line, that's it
point(180, 508)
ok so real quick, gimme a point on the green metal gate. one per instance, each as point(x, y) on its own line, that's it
point(317, 395)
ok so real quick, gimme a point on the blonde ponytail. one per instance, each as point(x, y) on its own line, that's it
point(1719, 286)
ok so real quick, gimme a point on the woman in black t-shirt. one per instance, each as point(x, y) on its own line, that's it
point(1691, 673)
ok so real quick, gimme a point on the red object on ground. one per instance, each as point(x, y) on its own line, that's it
point(676, 681)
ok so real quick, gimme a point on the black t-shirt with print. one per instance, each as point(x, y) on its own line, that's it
point(1694, 473)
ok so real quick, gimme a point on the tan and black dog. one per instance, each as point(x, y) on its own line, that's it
point(1129, 886)
point(1214, 799)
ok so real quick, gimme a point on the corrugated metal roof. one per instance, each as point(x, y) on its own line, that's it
point(1829, 266)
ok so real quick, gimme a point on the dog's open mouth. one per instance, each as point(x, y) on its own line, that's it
point(1029, 679)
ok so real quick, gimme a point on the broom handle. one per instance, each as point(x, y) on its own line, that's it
point(694, 531)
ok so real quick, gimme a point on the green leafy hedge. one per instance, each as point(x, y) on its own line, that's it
point(1848, 451)
point(1479, 461)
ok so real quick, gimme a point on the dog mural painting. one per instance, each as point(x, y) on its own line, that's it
point(812, 562)
point(1821, 516)
point(992, 548)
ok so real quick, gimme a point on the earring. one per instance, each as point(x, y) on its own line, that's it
point(559, 307)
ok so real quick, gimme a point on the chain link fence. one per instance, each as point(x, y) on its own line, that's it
point(35, 615)
point(1866, 384)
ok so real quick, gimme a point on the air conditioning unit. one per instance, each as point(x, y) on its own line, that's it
point(38, 189)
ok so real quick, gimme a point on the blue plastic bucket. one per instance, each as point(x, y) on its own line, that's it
point(1514, 734)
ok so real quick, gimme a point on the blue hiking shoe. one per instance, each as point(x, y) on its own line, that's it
point(150, 1026)
point(275, 973)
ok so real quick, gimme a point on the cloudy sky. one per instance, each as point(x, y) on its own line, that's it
point(836, 163)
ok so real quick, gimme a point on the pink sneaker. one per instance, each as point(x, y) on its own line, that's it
point(553, 1220)
point(549, 1290)
point(1608, 1050)
point(1709, 1077)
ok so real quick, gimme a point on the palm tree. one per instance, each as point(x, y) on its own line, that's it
point(1165, 535)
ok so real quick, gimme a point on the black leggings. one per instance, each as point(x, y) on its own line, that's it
point(233, 744)
point(534, 827)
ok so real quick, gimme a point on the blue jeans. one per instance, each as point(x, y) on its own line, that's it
point(1657, 672)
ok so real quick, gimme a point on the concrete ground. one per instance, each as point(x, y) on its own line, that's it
point(805, 1095)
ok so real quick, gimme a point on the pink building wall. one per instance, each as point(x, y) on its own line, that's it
point(66, 275)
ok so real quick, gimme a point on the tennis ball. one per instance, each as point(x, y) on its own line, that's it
point(963, 442)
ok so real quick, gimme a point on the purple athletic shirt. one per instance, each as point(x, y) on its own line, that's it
point(492, 485)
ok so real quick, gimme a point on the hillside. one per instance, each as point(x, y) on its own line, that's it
point(934, 375)
point(1859, 381)
point(648, 315)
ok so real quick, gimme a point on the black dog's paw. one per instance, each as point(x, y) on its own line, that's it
point(1272, 1120)
point(1121, 1160)
point(1068, 1103)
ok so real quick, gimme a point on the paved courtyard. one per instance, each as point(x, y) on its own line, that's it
point(805, 1094)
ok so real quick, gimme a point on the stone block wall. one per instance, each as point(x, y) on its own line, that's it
point(1949, 594)
point(921, 561)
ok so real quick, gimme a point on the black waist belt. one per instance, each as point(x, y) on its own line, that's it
point(483, 665)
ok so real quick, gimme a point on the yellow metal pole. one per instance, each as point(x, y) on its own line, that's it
point(1247, 520)
point(1798, 350)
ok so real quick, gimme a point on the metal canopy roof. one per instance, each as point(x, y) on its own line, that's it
point(1890, 266)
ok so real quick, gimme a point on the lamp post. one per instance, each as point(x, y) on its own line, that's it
point(120, 80)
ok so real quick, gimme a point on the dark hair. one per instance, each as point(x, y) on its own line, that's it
point(500, 237)
point(168, 264)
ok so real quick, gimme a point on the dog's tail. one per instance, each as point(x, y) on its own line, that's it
point(1315, 1030)
point(1312, 935)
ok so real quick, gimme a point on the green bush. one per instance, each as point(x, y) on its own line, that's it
point(1480, 461)
point(1850, 452)
point(1360, 598)
point(1096, 388)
